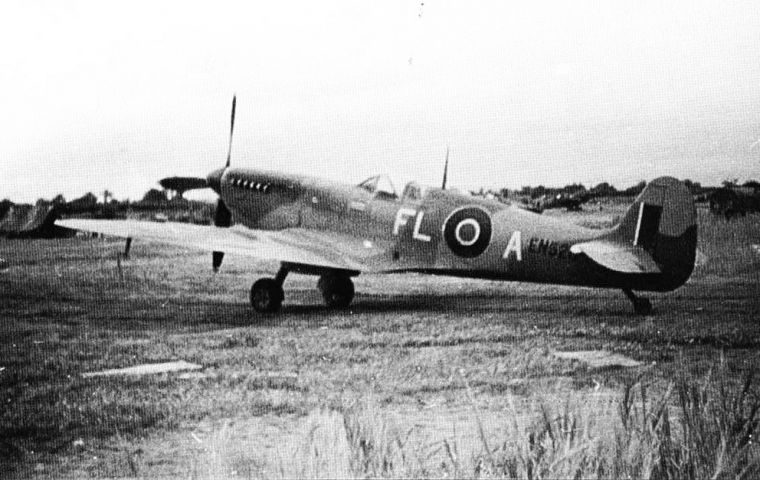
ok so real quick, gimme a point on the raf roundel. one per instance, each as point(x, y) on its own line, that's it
point(467, 231)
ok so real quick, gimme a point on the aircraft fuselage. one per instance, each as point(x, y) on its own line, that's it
point(440, 232)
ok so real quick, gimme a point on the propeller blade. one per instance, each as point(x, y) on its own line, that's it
point(182, 184)
point(216, 260)
point(445, 170)
point(222, 215)
point(222, 218)
point(232, 128)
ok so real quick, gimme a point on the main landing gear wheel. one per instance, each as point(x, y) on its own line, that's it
point(267, 295)
point(337, 290)
point(641, 305)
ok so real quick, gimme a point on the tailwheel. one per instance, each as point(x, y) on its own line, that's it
point(267, 295)
point(641, 305)
point(337, 290)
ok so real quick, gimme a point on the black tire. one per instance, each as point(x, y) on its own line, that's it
point(642, 306)
point(338, 291)
point(266, 295)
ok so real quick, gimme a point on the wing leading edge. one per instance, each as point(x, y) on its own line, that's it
point(296, 246)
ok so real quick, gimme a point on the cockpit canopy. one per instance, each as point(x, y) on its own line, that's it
point(380, 186)
point(412, 191)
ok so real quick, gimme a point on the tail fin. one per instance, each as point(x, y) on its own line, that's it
point(663, 221)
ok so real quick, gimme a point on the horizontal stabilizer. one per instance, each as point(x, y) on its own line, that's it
point(618, 257)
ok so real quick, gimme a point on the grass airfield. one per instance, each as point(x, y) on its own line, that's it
point(423, 376)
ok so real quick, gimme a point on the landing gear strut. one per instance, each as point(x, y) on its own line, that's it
point(267, 293)
point(641, 305)
point(337, 290)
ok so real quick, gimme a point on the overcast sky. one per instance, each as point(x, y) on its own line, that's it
point(116, 95)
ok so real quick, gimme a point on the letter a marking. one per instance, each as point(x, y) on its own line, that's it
point(514, 246)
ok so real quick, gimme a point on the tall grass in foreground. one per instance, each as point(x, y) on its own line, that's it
point(697, 429)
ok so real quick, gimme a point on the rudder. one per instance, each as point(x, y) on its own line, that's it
point(663, 221)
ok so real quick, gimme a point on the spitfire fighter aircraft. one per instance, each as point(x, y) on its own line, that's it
point(337, 231)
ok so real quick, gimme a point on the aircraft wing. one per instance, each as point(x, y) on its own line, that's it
point(618, 257)
point(300, 246)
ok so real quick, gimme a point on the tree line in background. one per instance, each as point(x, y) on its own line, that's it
point(606, 189)
point(152, 198)
point(175, 208)
point(162, 199)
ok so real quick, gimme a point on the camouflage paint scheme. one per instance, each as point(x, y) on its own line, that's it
point(337, 231)
point(319, 227)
